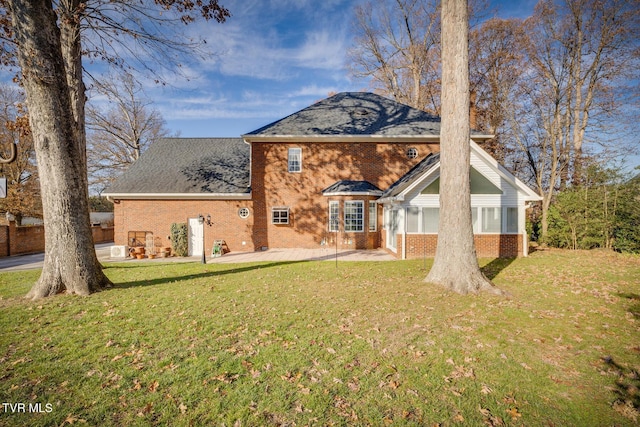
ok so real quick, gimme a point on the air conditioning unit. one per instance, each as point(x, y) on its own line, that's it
point(119, 251)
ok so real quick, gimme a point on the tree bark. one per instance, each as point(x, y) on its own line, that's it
point(70, 15)
point(70, 261)
point(456, 265)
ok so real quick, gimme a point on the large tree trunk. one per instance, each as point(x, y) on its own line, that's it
point(70, 12)
point(456, 265)
point(70, 261)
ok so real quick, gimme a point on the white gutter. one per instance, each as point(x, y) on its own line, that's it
point(177, 196)
point(341, 138)
point(352, 138)
point(354, 193)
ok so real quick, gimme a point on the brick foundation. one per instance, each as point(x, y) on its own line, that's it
point(487, 245)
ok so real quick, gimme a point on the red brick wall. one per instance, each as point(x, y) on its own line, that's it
point(487, 245)
point(27, 239)
point(322, 165)
point(4, 240)
point(16, 240)
point(157, 216)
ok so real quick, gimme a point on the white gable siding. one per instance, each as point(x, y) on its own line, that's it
point(510, 196)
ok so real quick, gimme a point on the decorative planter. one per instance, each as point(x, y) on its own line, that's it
point(139, 250)
point(151, 256)
point(140, 256)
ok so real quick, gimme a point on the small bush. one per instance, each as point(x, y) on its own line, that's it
point(179, 239)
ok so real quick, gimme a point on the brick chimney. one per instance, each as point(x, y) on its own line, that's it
point(473, 112)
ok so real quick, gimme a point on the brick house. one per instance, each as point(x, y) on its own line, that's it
point(356, 167)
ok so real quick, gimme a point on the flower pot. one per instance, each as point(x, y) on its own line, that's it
point(151, 256)
point(140, 256)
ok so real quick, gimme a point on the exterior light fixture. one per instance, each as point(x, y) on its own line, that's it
point(204, 220)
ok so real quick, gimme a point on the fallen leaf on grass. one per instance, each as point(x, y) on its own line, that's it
point(153, 386)
point(145, 410)
point(513, 412)
point(72, 420)
point(183, 408)
point(486, 389)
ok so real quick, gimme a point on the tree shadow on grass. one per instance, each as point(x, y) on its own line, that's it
point(634, 307)
point(493, 268)
point(626, 385)
point(219, 271)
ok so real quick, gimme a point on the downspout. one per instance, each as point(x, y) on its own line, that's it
point(404, 234)
point(525, 237)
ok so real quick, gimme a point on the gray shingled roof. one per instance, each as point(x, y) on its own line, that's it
point(347, 186)
point(407, 179)
point(354, 113)
point(188, 165)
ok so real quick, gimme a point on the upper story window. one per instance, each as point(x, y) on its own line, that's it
point(295, 160)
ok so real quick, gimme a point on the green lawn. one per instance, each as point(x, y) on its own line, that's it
point(306, 343)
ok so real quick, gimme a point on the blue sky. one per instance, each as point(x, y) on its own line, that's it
point(272, 58)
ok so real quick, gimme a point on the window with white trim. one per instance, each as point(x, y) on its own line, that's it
point(280, 215)
point(422, 220)
point(511, 220)
point(430, 219)
point(491, 220)
point(373, 216)
point(334, 216)
point(475, 221)
point(295, 160)
point(354, 215)
point(413, 219)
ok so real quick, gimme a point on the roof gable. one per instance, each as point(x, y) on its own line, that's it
point(209, 166)
point(348, 187)
point(355, 114)
point(430, 165)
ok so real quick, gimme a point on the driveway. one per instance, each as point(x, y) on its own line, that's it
point(103, 251)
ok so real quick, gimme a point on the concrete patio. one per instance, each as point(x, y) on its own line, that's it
point(103, 251)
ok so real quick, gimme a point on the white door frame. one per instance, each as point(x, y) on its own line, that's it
point(196, 229)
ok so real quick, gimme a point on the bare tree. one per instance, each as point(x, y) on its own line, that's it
point(579, 53)
point(497, 62)
point(456, 265)
point(121, 130)
point(398, 47)
point(49, 52)
point(23, 187)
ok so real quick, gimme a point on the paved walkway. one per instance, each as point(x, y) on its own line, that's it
point(103, 251)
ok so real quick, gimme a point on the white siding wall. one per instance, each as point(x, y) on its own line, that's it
point(510, 196)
